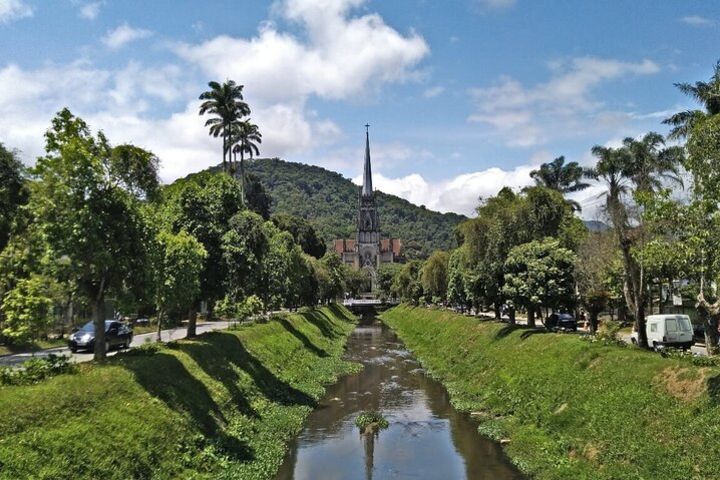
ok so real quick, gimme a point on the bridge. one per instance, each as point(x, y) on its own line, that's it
point(368, 306)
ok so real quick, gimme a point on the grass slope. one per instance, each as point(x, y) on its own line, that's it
point(570, 408)
point(221, 406)
point(329, 202)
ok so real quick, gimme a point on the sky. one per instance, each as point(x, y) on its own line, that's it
point(463, 96)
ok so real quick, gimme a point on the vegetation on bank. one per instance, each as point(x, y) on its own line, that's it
point(567, 408)
point(222, 405)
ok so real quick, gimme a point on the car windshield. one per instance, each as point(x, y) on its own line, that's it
point(88, 327)
point(684, 323)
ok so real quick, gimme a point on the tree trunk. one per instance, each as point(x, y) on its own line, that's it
point(511, 315)
point(242, 174)
point(496, 308)
point(99, 322)
point(593, 316)
point(159, 325)
point(531, 316)
point(710, 313)
point(192, 321)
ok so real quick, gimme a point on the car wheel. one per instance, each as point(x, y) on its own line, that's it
point(656, 347)
point(633, 341)
point(73, 350)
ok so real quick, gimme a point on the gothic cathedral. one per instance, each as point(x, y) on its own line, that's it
point(368, 250)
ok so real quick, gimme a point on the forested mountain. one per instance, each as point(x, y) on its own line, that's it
point(329, 202)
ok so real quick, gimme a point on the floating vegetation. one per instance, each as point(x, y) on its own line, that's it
point(371, 422)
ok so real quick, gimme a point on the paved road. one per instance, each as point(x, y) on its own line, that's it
point(167, 335)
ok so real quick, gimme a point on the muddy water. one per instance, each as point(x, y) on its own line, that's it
point(427, 437)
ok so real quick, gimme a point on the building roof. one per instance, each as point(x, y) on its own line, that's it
point(367, 188)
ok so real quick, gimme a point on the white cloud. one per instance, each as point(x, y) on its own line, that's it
point(90, 11)
point(14, 10)
point(460, 194)
point(340, 55)
point(697, 21)
point(433, 92)
point(123, 35)
point(527, 116)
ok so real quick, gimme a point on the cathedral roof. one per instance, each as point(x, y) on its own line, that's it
point(367, 188)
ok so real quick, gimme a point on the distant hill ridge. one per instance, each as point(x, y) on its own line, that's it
point(329, 201)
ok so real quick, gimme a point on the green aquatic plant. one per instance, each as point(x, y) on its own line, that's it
point(371, 422)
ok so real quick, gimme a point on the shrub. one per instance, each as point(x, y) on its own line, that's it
point(371, 422)
point(36, 369)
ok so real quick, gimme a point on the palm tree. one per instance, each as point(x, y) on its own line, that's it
point(651, 164)
point(565, 178)
point(610, 169)
point(225, 103)
point(705, 93)
point(245, 139)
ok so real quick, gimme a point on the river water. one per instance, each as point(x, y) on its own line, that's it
point(427, 438)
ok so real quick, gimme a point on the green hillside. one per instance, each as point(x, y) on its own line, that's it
point(329, 202)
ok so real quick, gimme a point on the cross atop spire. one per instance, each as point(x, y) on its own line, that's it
point(367, 188)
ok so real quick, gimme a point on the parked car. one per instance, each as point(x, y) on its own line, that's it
point(561, 322)
point(117, 334)
point(667, 331)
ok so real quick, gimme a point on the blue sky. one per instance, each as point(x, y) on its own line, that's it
point(463, 96)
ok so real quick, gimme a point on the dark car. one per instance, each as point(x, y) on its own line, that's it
point(561, 322)
point(117, 334)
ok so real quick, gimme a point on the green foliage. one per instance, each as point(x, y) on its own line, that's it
point(540, 273)
point(329, 203)
point(178, 263)
point(407, 285)
point(572, 409)
point(371, 421)
point(241, 311)
point(28, 309)
point(434, 275)
point(224, 405)
point(303, 233)
point(36, 370)
point(13, 191)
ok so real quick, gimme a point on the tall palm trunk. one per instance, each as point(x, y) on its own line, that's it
point(242, 174)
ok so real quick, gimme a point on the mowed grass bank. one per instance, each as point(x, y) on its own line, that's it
point(223, 405)
point(571, 408)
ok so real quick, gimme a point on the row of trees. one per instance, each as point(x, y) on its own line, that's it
point(90, 222)
point(661, 205)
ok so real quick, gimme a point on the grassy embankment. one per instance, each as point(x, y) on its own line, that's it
point(572, 408)
point(221, 406)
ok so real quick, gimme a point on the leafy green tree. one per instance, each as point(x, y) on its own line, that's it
point(456, 284)
point(177, 265)
point(13, 191)
point(203, 205)
point(90, 213)
point(277, 267)
point(706, 94)
point(224, 102)
point(28, 309)
point(357, 281)
point(303, 233)
point(434, 276)
point(386, 274)
point(331, 277)
point(244, 248)
point(407, 285)
point(562, 177)
point(540, 274)
point(256, 197)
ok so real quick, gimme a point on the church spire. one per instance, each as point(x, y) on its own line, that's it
point(367, 188)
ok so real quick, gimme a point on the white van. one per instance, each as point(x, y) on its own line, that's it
point(667, 331)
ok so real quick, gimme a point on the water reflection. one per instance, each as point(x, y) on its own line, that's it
point(427, 438)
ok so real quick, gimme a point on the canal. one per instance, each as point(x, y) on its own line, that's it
point(427, 438)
